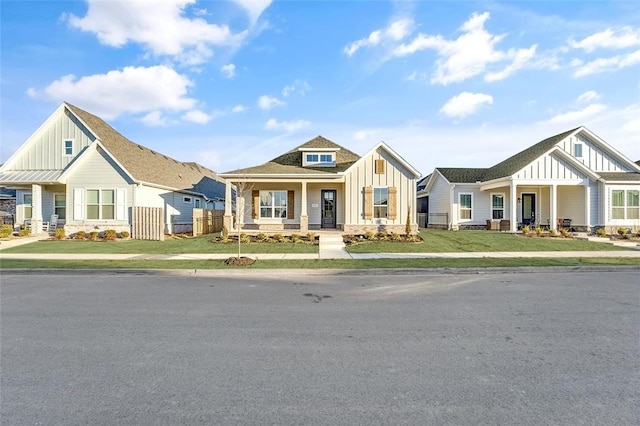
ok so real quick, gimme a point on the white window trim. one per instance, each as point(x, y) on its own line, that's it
point(491, 208)
point(373, 201)
point(66, 210)
point(319, 163)
point(460, 219)
point(187, 200)
point(625, 206)
point(64, 147)
point(101, 204)
point(273, 206)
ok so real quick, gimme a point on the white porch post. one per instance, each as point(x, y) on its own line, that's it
point(513, 197)
point(587, 206)
point(36, 209)
point(304, 217)
point(554, 207)
point(227, 220)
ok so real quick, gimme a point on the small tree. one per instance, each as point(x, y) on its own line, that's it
point(242, 189)
point(407, 227)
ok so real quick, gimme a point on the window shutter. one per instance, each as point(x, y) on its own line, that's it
point(255, 195)
point(379, 167)
point(78, 204)
point(121, 204)
point(393, 205)
point(368, 202)
point(290, 208)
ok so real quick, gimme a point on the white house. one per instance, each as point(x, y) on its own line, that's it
point(80, 169)
point(322, 185)
point(574, 179)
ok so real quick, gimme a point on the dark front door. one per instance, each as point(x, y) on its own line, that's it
point(528, 209)
point(328, 208)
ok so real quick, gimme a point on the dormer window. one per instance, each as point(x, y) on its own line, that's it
point(318, 158)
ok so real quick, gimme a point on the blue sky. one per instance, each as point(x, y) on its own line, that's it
point(234, 84)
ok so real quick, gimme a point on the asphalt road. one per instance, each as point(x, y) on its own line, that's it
point(524, 348)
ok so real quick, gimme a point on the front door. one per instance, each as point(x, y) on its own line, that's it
point(528, 209)
point(328, 208)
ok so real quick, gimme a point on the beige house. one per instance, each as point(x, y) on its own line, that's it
point(571, 180)
point(79, 169)
point(321, 185)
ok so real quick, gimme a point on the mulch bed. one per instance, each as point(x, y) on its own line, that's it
point(239, 261)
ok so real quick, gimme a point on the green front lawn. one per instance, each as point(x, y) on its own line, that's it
point(439, 241)
point(203, 244)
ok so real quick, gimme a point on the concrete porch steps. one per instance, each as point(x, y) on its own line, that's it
point(331, 246)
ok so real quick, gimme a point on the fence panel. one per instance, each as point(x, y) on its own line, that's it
point(148, 223)
point(438, 220)
point(207, 221)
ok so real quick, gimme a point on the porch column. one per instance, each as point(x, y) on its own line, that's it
point(304, 217)
point(36, 209)
point(513, 198)
point(587, 206)
point(553, 206)
point(227, 220)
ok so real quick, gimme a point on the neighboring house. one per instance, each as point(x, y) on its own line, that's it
point(322, 185)
point(7, 206)
point(79, 168)
point(574, 179)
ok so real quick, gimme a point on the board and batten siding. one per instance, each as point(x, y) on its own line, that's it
point(593, 155)
point(440, 197)
point(364, 175)
point(550, 167)
point(47, 151)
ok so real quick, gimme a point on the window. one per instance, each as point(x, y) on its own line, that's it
point(326, 158)
point(197, 203)
point(577, 150)
point(380, 202)
point(187, 200)
point(100, 204)
point(320, 159)
point(465, 206)
point(60, 205)
point(68, 147)
point(625, 204)
point(27, 203)
point(312, 158)
point(497, 206)
point(273, 204)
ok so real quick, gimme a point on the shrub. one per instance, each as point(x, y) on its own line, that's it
point(80, 235)
point(93, 235)
point(279, 238)
point(262, 237)
point(110, 234)
point(407, 226)
point(564, 232)
point(526, 230)
point(538, 231)
point(244, 238)
point(601, 232)
point(311, 236)
point(621, 231)
point(395, 237)
point(61, 234)
point(224, 234)
point(369, 235)
point(5, 231)
point(382, 236)
point(24, 232)
point(124, 234)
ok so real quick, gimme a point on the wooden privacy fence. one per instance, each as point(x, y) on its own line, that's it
point(148, 223)
point(207, 221)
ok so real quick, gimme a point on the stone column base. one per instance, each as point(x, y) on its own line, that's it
point(304, 223)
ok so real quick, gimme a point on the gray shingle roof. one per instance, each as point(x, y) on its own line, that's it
point(505, 168)
point(620, 176)
point(291, 161)
point(150, 166)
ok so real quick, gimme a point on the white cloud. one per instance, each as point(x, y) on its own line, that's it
point(228, 70)
point(588, 96)
point(160, 26)
point(268, 102)
point(154, 119)
point(254, 8)
point(396, 31)
point(468, 55)
point(608, 64)
point(299, 87)
point(579, 116)
point(465, 103)
point(133, 90)
point(238, 108)
point(288, 126)
point(198, 117)
point(611, 39)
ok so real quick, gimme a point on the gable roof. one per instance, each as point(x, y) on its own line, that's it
point(142, 163)
point(462, 175)
point(291, 162)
